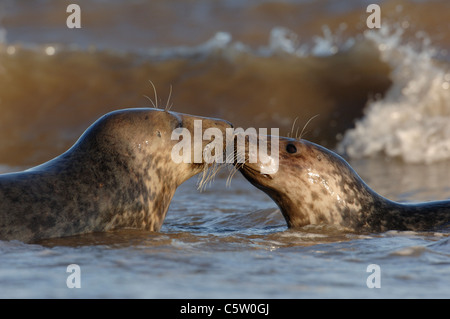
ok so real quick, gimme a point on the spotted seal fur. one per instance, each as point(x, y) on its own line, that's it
point(314, 185)
point(119, 174)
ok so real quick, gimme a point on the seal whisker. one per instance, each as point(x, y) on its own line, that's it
point(233, 170)
point(235, 158)
point(231, 166)
point(238, 158)
point(299, 137)
point(290, 134)
point(155, 105)
point(208, 175)
point(168, 107)
point(230, 157)
point(210, 171)
point(201, 178)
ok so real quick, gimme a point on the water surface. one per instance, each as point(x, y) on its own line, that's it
point(383, 99)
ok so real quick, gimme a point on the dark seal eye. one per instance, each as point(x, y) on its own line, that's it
point(290, 148)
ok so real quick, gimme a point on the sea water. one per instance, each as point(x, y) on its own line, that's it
point(382, 100)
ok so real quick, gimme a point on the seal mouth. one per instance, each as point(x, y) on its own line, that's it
point(247, 169)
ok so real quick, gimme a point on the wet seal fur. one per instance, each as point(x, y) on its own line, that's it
point(314, 185)
point(119, 174)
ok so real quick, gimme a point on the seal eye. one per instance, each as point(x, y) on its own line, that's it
point(290, 148)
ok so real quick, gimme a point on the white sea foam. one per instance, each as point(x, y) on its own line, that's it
point(412, 121)
point(220, 42)
point(414, 251)
point(281, 41)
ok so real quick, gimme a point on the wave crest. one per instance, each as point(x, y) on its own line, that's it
point(412, 121)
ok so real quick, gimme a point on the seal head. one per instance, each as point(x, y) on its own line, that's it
point(314, 185)
point(119, 174)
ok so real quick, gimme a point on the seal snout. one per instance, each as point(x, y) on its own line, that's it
point(256, 156)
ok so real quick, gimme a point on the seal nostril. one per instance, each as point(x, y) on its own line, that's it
point(291, 148)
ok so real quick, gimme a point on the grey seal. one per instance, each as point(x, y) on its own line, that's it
point(314, 185)
point(119, 174)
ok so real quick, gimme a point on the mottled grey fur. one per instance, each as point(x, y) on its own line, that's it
point(314, 186)
point(119, 174)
